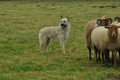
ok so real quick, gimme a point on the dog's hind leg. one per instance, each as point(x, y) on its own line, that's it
point(42, 43)
point(47, 43)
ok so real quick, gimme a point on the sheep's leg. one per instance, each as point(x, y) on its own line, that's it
point(95, 51)
point(103, 58)
point(119, 52)
point(115, 65)
point(106, 59)
point(99, 56)
point(89, 53)
point(112, 58)
point(108, 56)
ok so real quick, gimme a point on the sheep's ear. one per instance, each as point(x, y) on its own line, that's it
point(98, 21)
point(61, 17)
point(109, 20)
point(116, 18)
point(118, 26)
point(107, 27)
point(67, 18)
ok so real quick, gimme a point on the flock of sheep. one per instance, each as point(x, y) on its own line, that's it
point(103, 36)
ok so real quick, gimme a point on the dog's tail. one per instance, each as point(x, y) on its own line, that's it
point(47, 42)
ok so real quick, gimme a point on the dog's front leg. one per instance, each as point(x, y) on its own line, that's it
point(62, 43)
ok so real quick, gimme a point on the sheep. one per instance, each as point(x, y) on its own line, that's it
point(104, 21)
point(105, 39)
point(118, 20)
point(90, 26)
point(117, 23)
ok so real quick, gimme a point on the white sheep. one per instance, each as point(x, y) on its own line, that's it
point(90, 26)
point(105, 39)
point(117, 20)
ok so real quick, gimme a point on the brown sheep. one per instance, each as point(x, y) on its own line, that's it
point(90, 26)
point(117, 22)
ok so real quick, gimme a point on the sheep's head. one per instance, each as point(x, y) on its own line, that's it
point(117, 18)
point(104, 22)
point(113, 30)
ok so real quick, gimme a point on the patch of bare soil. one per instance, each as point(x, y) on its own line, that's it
point(112, 75)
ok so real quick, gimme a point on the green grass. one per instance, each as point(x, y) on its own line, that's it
point(20, 58)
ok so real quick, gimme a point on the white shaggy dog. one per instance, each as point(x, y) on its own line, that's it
point(59, 33)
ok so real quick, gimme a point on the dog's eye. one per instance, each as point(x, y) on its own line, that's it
point(64, 21)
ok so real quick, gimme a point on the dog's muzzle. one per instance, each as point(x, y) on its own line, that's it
point(63, 25)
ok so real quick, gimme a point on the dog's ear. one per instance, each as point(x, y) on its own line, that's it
point(67, 18)
point(61, 17)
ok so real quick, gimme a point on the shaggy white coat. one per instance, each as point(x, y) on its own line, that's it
point(54, 33)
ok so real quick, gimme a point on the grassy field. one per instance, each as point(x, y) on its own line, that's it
point(20, 58)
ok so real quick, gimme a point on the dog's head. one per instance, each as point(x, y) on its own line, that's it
point(64, 22)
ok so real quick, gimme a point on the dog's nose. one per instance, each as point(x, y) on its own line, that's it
point(62, 24)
